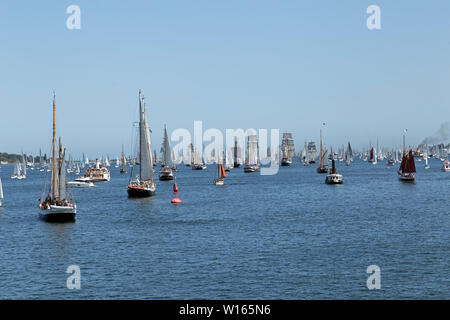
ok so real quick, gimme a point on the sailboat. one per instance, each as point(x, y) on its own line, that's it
point(236, 154)
point(155, 158)
point(287, 149)
point(123, 162)
point(59, 204)
point(166, 172)
point(1, 192)
point(407, 169)
point(323, 166)
point(251, 164)
point(197, 163)
point(348, 155)
point(143, 184)
point(228, 161)
point(425, 156)
point(220, 175)
point(333, 177)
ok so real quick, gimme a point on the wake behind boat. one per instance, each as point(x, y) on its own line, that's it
point(59, 205)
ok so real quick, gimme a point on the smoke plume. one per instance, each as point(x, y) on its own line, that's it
point(442, 135)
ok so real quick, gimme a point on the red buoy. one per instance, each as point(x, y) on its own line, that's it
point(175, 200)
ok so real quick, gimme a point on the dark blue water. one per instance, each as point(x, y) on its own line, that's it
point(288, 236)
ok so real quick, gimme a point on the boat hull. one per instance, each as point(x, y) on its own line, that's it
point(286, 163)
point(406, 177)
point(58, 214)
point(250, 169)
point(139, 192)
point(219, 182)
point(322, 170)
point(165, 176)
point(334, 179)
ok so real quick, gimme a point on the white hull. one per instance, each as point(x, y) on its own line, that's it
point(58, 213)
point(219, 182)
point(334, 179)
point(80, 184)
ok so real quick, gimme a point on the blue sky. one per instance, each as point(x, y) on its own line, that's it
point(233, 64)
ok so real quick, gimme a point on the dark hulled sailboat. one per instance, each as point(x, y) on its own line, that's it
point(143, 184)
point(58, 206)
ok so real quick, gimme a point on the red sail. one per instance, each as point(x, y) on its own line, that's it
point(222, 173)
point(410, 166)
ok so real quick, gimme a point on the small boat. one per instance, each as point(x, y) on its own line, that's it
point(425, 156)
point(333, 177)
point(143, 184)
point(59, 205)
point(123, 163)
point(251, 164)
point(446, 166)
point(197, 163)
point(221, 175)
point(80, 184)
point(1, 192)
point(166, 172)
point(348, 155)
point(323, 166)
point(407, 169)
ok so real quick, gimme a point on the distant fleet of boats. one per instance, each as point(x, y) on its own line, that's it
point(57, 204)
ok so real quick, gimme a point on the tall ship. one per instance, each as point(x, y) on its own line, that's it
point(123, 162)
point(143, 183)
point(251, 163)
point(166, 172)
point(287, 149)
point(407, 169)
point(323, 162)
point(237, 154)
point(58, 205)
point(312, 151)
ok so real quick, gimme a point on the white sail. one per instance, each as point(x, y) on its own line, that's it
point(252, 150)
point(167, 153)
point(145, 153)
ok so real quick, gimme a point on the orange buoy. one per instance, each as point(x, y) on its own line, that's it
point(175, 200)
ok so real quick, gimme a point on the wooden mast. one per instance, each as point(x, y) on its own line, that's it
point(54, 177)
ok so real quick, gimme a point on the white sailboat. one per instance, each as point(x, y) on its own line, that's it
point(251, 164)
point(425, 156)
point(143, 185)
point(166, 172)
point(59, 204)
point(123, 168)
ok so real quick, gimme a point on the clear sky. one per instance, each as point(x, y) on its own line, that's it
point(233, 64)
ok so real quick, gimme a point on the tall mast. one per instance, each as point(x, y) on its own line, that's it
point(404, 134)
point(140, 138)
point(54, 177)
